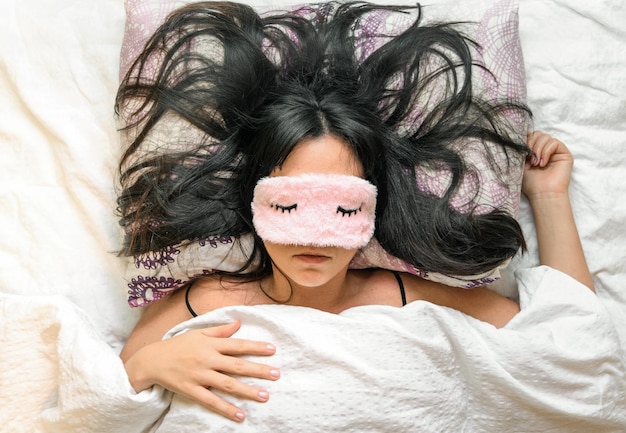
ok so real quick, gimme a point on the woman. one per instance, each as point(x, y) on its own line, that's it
point(282, 108)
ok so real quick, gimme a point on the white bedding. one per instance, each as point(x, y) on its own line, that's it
point(63, 287)
point(374, 368)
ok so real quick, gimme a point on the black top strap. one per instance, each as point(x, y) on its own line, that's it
point(401, 284)
point(193, 313)
point(395, 274)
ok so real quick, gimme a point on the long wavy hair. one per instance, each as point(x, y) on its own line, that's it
point(221, 95)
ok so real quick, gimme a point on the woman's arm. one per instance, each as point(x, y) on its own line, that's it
point(196, 361)
point(546, 181)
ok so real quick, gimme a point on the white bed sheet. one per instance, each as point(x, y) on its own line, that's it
point(58, 78)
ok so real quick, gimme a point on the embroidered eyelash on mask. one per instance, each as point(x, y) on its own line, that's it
point(285, 208)
point(348, 212)
point(294, 206)
point(315, 209)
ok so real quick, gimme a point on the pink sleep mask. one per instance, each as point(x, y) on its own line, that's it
point(324, 210)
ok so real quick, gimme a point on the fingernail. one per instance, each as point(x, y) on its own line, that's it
point(274, 373)
point(533, 160)
point(240, 416)
point(264, 395)
point(271, 347)
point(541, 162)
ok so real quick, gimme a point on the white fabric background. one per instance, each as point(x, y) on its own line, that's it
point(59, 147)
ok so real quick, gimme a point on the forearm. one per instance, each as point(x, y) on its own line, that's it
point(557, 236)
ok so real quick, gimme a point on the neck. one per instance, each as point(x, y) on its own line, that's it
point(327, 297)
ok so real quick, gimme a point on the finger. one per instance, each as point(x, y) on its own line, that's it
point(228, 384)
point(532, 138)
point(243, 367)
point(542, 146)
point(540, 139)
point(549, 148)
point(238, 346)
point(222, 331)
point(211, 401)
point(533, 141)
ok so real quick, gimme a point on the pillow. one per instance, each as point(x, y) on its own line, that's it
point(492, 24)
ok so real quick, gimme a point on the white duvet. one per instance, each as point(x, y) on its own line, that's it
point(556, 367)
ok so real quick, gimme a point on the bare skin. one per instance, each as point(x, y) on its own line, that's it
point(194, 363)
point(546, 181)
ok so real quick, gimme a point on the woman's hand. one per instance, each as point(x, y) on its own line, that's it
point(196, 361)
point(546, 180)
point(548, 167)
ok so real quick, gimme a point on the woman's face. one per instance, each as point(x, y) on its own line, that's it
point(311, 266)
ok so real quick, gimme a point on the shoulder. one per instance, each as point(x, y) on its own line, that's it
point(386, 282)
point(216, 291)
point(480, 302)
point(417, 288)
point(203, 295)
point(381, 286)
point(156, 319)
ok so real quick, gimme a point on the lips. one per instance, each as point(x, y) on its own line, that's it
point(311, 258)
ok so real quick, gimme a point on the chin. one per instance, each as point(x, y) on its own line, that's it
point(310, 279)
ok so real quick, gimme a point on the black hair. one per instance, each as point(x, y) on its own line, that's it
point(220, 96)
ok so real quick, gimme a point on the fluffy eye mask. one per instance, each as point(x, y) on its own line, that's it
point(324, 210)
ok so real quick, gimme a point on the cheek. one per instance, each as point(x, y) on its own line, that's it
point(277, 251)
point(344, 256)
